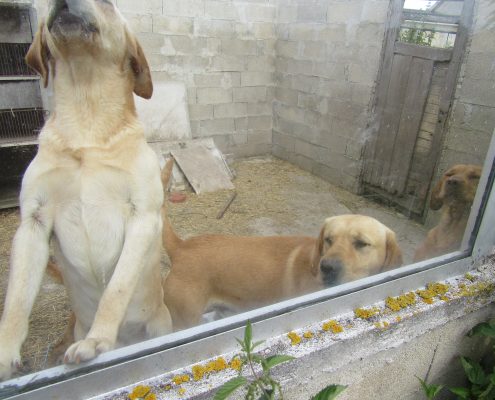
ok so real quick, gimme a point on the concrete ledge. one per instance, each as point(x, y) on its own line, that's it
point(377, 356)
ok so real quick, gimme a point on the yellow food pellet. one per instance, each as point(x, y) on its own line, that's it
point(294, 338)
point(308, 335)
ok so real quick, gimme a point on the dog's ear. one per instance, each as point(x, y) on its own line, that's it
point(393, 256)
point(143, 86)
point(317, 252)
point(436, 200)
point(38, 55)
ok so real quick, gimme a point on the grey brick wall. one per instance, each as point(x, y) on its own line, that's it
point(327, 59)
point(224, 51)
point(296, 77)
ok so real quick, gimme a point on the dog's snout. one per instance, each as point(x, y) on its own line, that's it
point(331, 269)
point(454, 180)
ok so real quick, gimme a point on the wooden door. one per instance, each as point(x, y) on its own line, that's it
point(412, 101)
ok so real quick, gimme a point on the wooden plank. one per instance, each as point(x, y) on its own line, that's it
point(427, 17)
point(410, 120)
point(202, 169)
point(391, 33)
point(428, 53)
point(390, 120)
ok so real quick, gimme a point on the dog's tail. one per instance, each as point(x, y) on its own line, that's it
point(170, 239)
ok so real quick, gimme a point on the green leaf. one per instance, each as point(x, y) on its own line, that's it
point(462, 393)
point(241, 343)
point(486, 329)
point(276, 360)
point(329, 393)
point(474, 372)
point(229, 387)
point(489, 392)
point(256, 344)
point(248, 336)
point(430, 390)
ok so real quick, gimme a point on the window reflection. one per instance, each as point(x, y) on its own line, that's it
point(381, 117)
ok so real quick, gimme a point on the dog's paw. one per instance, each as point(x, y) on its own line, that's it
point(87, 349)
point(8, 364)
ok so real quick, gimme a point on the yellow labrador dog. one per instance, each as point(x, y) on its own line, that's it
point(241, 272)
point(453, 195)
point(94, 187)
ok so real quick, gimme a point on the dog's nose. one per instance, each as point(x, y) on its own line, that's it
point(454, 181)
point(331, 269)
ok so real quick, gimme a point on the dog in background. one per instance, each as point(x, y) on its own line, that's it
point(453, 195)
point(93, 188)
point(241, 272)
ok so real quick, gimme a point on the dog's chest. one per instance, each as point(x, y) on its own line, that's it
point(92, 205)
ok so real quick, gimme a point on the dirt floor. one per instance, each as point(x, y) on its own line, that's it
point(273, 197)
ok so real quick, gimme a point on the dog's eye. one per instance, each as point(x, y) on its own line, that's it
point(474, 177)
point(359, 244)
point(328, 241)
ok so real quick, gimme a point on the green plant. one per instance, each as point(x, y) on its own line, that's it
point(430, 390)
point(481, 379)
point(262, 386)
point(417, 36)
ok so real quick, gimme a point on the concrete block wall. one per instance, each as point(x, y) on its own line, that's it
point(224, 52)
point(472, 119)
point(327, 60)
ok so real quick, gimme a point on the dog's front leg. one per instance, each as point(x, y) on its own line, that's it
point(142, 237)
point(29, 257)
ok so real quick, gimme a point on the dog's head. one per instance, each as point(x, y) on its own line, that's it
point(351, 247)
point(457, 185)
point(91, 31)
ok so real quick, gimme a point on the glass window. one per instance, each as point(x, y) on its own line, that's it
point(358, 136)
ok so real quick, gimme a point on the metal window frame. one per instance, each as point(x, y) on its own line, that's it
point(127, 365)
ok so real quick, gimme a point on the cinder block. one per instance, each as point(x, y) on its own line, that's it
point(265, 108)
point(221, 10)
point(230, 110)
point(249, 94)
point(260, 12)
point(217, 126)
point(313, 102)
point(302, 67)
point(333, 33)
point(315, 51)
point(241, 124)
point(480, 66)
point(214, 95)
point(259, 122)
point(260, 137)
point(288, 49)
point(256, 78)
point(151, 42)
point(344, 12)
point(287, 13)
point(225, 80)
point(140, 7)
point(184, 8)
point(372, 33)
point(375, 11)
point(362, 73)
point(172, 25)
point(213, 28)
point(188, 45)
point(200, 111)
point(311, 11)
point(283, 140)
point(227, 63)
point(329, 70)
point(361, 94)
point(260, 63)
point(238, 47)
point(286, 96)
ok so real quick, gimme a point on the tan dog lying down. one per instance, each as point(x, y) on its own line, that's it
point(242, 272)
point(93, 188)
point(454, 195)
